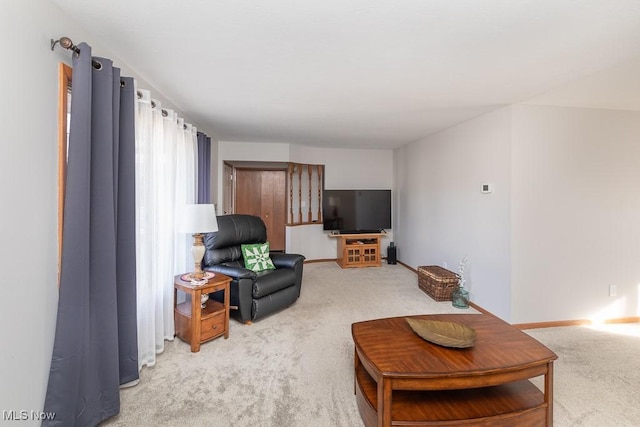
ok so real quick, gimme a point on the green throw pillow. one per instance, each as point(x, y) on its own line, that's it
point(256, 257)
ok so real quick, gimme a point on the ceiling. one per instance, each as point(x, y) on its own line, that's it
point(367, 73)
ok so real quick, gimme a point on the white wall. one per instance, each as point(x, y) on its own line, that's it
point(561, 225)
point(344, 169)
point(28, 172)
point(575, 213)
point(349, 169)
point(264, 152)
point(215, 175)
point(442, 213)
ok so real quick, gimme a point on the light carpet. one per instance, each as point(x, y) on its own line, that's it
point(597, 374)
point(293, 368)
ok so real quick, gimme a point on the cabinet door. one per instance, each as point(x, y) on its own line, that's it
point(352, 255)
point(369, 254)
point(263, 193)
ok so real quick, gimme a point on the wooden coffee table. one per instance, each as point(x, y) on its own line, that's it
point(401, 379)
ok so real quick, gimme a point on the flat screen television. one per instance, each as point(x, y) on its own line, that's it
point(356, 211)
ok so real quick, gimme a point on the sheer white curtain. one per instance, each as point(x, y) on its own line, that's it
point(185, 189)
point(165, 180)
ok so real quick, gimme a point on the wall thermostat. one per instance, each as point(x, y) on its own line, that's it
point(487, 188)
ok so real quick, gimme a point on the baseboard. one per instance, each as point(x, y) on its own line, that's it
point(534, 325)
point(406, 266)
point(309, 261)
point(578, 322)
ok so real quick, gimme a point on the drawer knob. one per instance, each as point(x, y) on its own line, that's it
point(215, 326)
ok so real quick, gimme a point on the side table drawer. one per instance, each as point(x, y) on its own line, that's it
point(212, 326)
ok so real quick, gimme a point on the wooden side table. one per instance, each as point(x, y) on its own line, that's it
point(194, 324)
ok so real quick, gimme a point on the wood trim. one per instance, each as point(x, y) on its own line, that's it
point(407, 267)
point(480, 309)
point(298, 224)
point(269, 169)
point(578, 322)
point(64, 83)
point(320, 169)
point(309, 214)
point(312, 261)
point(290, 186)
point(551, 324)
point(300, 192)
point(312, 176)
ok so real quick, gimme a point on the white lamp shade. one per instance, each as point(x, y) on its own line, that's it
point(199, 219)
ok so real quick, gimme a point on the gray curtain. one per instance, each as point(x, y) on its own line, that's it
point(95, 347)
point(204, 168)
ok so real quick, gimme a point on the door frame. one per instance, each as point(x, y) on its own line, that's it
point(259, 166)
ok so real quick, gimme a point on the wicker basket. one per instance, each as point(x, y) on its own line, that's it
point(437, 282)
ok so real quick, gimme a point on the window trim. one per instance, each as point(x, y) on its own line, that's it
point(64, 88)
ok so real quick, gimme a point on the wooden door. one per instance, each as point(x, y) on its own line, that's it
point(263, 193)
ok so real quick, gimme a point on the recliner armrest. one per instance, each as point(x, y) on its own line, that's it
point(235, 272)
point(282, 260)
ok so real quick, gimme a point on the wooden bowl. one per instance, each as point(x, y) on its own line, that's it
point(447, 334)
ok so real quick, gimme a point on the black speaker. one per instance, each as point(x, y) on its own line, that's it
point(391, 254)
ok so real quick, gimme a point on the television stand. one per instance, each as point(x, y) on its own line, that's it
point(358, 250)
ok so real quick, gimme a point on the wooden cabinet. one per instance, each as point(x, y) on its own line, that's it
point(196, 324)
point(358, 250)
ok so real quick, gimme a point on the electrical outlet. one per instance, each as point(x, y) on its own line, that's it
point(444, 264)
point(613, 290)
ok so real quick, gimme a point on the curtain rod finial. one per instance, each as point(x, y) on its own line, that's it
point(66, 43)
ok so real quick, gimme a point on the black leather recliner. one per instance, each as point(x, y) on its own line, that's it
point(254, 294)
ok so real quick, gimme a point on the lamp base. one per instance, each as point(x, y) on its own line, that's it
point(203, 300)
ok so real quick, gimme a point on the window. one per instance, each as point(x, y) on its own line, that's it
point(64, 114)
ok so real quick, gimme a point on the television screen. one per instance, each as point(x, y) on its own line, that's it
point(356, 211)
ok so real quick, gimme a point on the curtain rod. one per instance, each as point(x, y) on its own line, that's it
point(66, 43)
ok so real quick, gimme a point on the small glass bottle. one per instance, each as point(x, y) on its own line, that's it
point(460, 298)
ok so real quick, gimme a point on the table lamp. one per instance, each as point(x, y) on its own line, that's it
point(198, 220)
